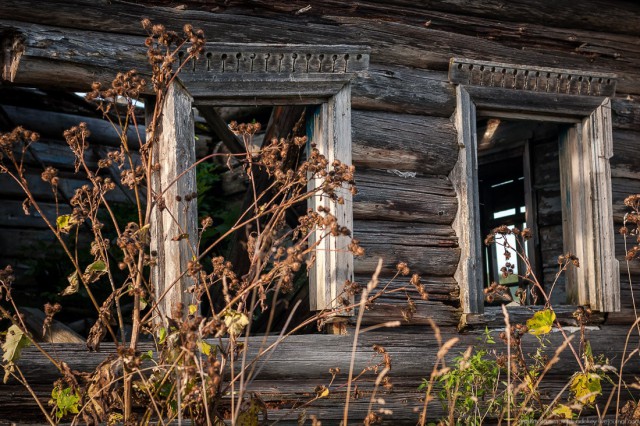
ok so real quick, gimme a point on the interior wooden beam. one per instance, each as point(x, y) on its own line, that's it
point(221, 128)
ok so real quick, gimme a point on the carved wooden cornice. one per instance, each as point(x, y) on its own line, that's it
point(530, 78)
point(254, 58)
point(244, 72)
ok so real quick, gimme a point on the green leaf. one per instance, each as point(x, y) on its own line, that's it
point(147, 355)
point(487, 336)
point(204, 347)
point(74, 285)
point(193, 309)
point(586, 387)
point(541, 322)
point(65, 400)
point(162, 335)
point(563, 412)
point(97, 266)
point(12, 347)
point(143, 234)
point(94, 271)
point(235, 322)
point(65, 223)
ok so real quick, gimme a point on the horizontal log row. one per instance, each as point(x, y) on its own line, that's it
point(427, 249)
point(297, 367)
point(413, 44)
point(403, 142)
point(392, 85)
point(394, 195)
point(557, 16)
point(398, 288)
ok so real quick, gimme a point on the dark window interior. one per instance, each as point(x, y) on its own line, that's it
point(519, 185)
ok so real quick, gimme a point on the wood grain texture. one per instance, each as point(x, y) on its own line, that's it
point(414, 44)
point(428, 249)
point(531, 78)
point(464, 177)
point(174, 228)
point(297, 366)
point(403, 142)
point(334, 262)
point(387, 195)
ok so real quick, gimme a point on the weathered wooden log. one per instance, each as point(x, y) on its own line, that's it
point(439, 289)
point(493, 317)
point(296, 367)
point(435, 46)
point(12, 215)
point(404, 90)
point(388, 87)
point(53, 124)
point(625, 162)
point(57, 332)
point(401, 196)
point(403, 142)
point(174, 218)
point(427, 249)
point(77, 65)
point(42, 190)
point(425, 312)
point(435, 13)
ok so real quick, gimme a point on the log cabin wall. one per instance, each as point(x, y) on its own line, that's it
point(404, 142)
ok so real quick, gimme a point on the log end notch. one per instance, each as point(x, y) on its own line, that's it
point(12, 44)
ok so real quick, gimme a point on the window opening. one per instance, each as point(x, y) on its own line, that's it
point(225, 191)
point(519, 186)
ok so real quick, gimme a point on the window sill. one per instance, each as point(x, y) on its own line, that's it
point(493, 317)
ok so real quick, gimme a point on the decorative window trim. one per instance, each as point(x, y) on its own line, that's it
point(588, 233)
point(529, 78)
point(252, 74)
point(279, 73)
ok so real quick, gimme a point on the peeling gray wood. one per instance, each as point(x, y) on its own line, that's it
point(174, 230)
point(333, 264)
point(403, 142)
point(387, 196)
point(587, 211)
point(297, 366)
point(464, 177)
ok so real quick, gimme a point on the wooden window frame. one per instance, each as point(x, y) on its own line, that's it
point(546, 94)
point(255, 74)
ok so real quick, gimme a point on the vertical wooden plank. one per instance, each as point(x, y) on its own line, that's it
point(464, 177)
point(334, 262)
point(607, 269)
point(572, 214)
point(531, 209)
point(174, 228)
point(587, 212)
